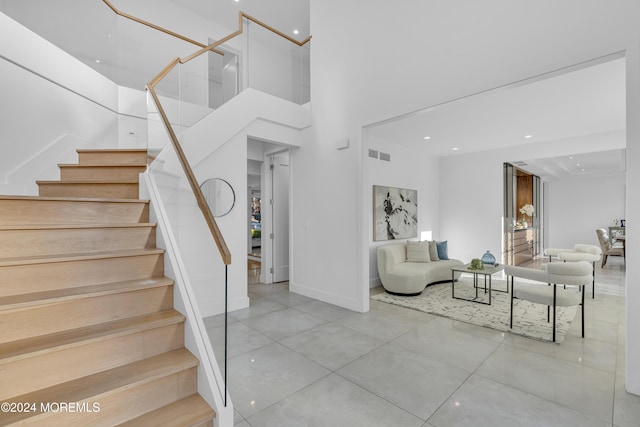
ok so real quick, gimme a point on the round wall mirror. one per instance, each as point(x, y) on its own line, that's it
point(219, 196)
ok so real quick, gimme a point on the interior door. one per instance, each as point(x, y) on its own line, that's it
point(230, 79)
point(280, 217)
point(224, 76)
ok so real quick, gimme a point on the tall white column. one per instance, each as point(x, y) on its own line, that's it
point(633, 220)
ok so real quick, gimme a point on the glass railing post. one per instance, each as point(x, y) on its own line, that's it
point(226, 313)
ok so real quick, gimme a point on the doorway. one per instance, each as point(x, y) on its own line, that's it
point(268, 207)
point(522, 216)
point(224, 76)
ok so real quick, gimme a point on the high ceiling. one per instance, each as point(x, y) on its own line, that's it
point(131, 54)
point(587, 104)
point(284, 15)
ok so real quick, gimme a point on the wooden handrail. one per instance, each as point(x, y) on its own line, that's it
point(193, 183)
point(211, 47)
point(166, 70)
point(239, 31)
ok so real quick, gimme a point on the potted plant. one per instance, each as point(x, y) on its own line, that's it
point(476, 264)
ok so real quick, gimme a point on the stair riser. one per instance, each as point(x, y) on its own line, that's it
point(112, 157)
point(69, 189)
point(32, 373)
point(29, 211)
point(115, 350)
point(47, 319)
point(127, 403)
point(126, 173)
point(190, 412)
point(18, 243)
point(19, 279)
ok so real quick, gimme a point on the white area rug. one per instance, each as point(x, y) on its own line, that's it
point(529, 320)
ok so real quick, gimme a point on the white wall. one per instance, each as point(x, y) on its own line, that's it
point(223, 164)
point(250, 116)
point(471, 199)
point(253, 109)
point(579, 205)
point(53, 104)
point(390, 64)
point(274, 65)
point(410, 167)
point(633, 218)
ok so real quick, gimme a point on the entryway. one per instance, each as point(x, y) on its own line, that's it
point(268, 183)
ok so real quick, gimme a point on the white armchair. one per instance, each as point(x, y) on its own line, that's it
point(547, 291)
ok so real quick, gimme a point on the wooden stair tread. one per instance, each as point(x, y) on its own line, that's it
point(78, 257)
point(30, 347)
point(111, 150)
point(88, 181)
point(77, 226)
point(63, 294)
point(100, 165)
point(190, 411)
point(74, 199)
point(107, 382)
point(85, 295)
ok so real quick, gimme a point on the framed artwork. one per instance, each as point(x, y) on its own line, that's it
point(395, 213)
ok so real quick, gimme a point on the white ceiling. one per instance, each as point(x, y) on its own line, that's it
point(129, 53)
point(577, 104)
point(590, 101)
point(284, 15)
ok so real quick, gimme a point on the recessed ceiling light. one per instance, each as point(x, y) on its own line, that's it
point(455, 148)
point(570, 157)
point(528, 136)
point(97, 61)
point(427, 137)
point(296, 32)
point(577, 164)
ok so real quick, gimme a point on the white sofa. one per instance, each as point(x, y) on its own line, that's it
point(398, 276)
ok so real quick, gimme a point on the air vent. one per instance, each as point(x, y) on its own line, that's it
point(373, 154)
point(385, 156)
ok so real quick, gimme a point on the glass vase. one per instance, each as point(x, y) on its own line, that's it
point(488, 258)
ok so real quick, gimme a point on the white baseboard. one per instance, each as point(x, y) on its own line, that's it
point(374, 283)
point(340, 301)
point(208, 310)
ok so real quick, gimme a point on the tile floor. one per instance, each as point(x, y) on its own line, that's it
point(294, 361)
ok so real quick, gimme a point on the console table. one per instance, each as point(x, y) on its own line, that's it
point(521, 245)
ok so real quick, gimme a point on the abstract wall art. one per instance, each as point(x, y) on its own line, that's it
point(395, 213)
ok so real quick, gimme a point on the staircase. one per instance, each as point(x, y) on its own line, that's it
point(88, 333)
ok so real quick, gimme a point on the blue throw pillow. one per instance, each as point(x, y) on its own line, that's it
point(442, 250)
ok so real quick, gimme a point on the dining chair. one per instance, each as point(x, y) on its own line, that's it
point(580, 252)
point(548, 286)
point(607, 248)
